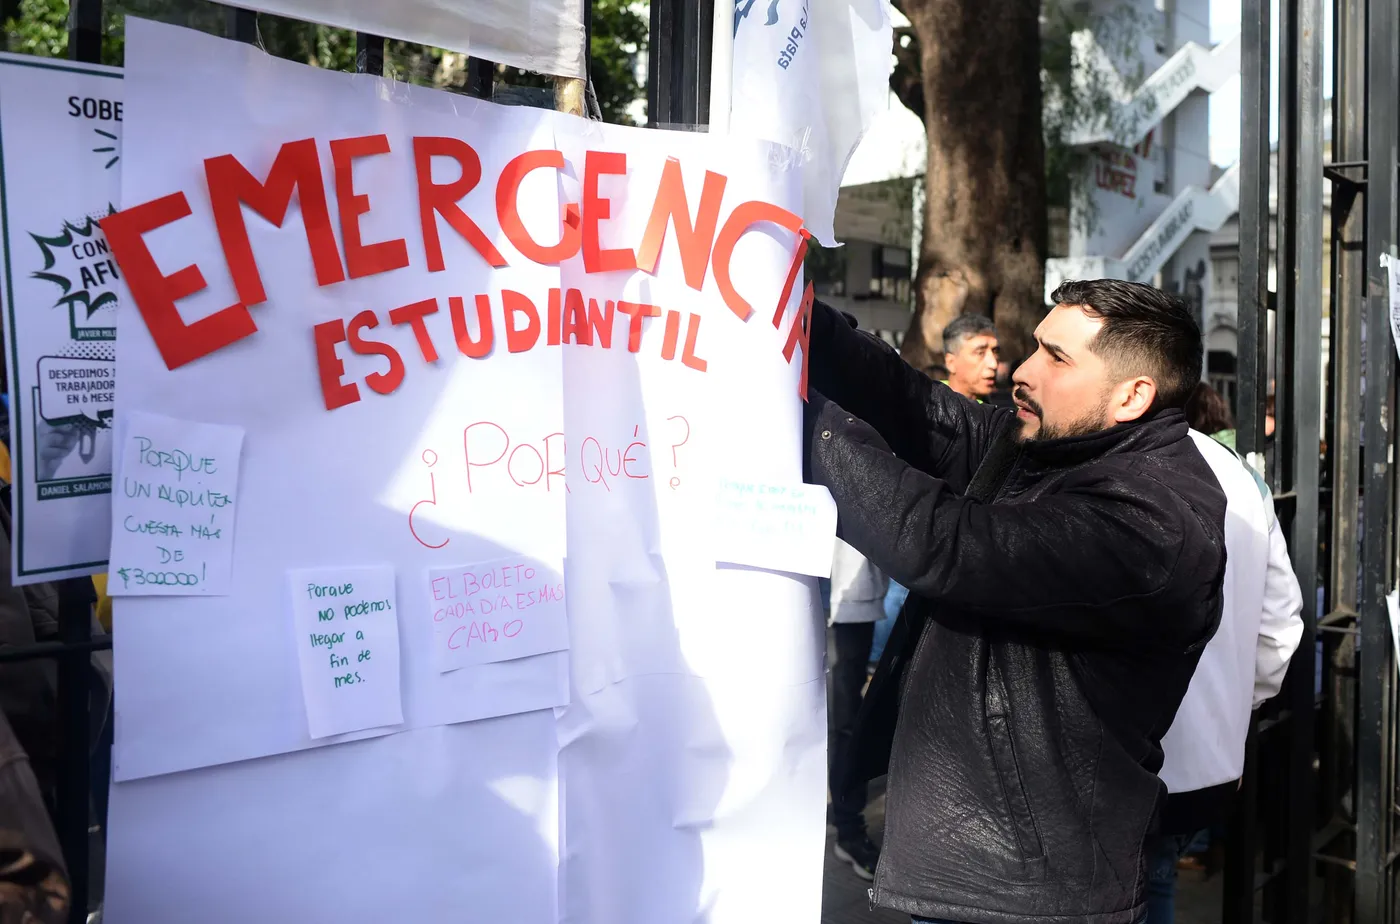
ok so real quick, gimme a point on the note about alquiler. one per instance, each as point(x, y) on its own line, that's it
point(176, 460)
point(179, 497)
point(153, 527)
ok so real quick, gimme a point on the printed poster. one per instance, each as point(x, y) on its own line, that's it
point(60, 173)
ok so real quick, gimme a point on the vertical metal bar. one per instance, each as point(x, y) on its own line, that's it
point(76, 597)
point(75, 601)
point(242, 25)
point(1252, 377)
point(721, 74)
point(678, 62)
point(369, 54)
point(85, 31)
point(1337, 736)
point(481, 78)
point(1373, 797)
point(1349, 260)
point(660, 103)
point(1286, 254)
point(702, 53)
point(1305, 410)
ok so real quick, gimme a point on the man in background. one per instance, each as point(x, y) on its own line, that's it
point(970, 354)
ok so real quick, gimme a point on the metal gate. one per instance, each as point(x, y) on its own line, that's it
point(1314, 836)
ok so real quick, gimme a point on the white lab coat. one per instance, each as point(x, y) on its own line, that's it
point(857, 587)
point(1260, 627)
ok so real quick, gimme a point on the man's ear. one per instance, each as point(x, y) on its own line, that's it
point(1132, 398)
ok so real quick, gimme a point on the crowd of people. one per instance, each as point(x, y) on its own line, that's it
point(1074, 602)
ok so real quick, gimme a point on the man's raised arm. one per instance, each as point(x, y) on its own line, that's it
point(924, 422)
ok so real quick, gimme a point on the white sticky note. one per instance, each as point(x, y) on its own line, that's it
point(1392, 266)
point(778, 527)
point(347, 635)
point(496, 611)
point(174, 501)
point(1392, 605)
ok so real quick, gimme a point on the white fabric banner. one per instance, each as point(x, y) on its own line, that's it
point(373, 290)
point(60, 142)
point(812, 75)
point(536, 35)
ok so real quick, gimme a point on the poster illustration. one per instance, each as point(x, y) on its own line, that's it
point(60, 171)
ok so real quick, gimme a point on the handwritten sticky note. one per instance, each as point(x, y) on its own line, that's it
point(779, 527)
point(347, 632)
point(173, 506)
point(496, 611)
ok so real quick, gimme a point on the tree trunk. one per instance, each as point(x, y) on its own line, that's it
point(984, 212)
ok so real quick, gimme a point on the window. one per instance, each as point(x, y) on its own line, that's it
point(889, 275)
point(1220, 374)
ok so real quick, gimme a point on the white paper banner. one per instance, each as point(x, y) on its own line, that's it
point(812, 75)
point(545, 36)
point(423, 383)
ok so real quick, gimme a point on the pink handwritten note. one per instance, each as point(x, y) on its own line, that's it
point(497, 611)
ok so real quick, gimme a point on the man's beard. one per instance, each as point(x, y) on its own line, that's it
point(1090, 422)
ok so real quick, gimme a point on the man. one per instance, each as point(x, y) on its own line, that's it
point(1064, 563)
point(1243, 665)
point(970, 355)
point(857, 601)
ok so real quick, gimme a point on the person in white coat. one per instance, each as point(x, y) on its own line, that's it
point(857, 602)
point(1243, 665)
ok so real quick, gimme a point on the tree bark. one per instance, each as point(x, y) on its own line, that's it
point(984, 234)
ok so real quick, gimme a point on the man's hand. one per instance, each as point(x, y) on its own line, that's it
point(56, 443)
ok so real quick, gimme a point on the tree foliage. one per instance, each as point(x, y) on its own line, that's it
point(619, 40)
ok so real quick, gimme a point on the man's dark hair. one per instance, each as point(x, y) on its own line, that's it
point(1145, 332)
point(1207, 411)
point(964, 326)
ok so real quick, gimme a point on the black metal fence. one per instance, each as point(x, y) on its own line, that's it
point(1314, 837)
